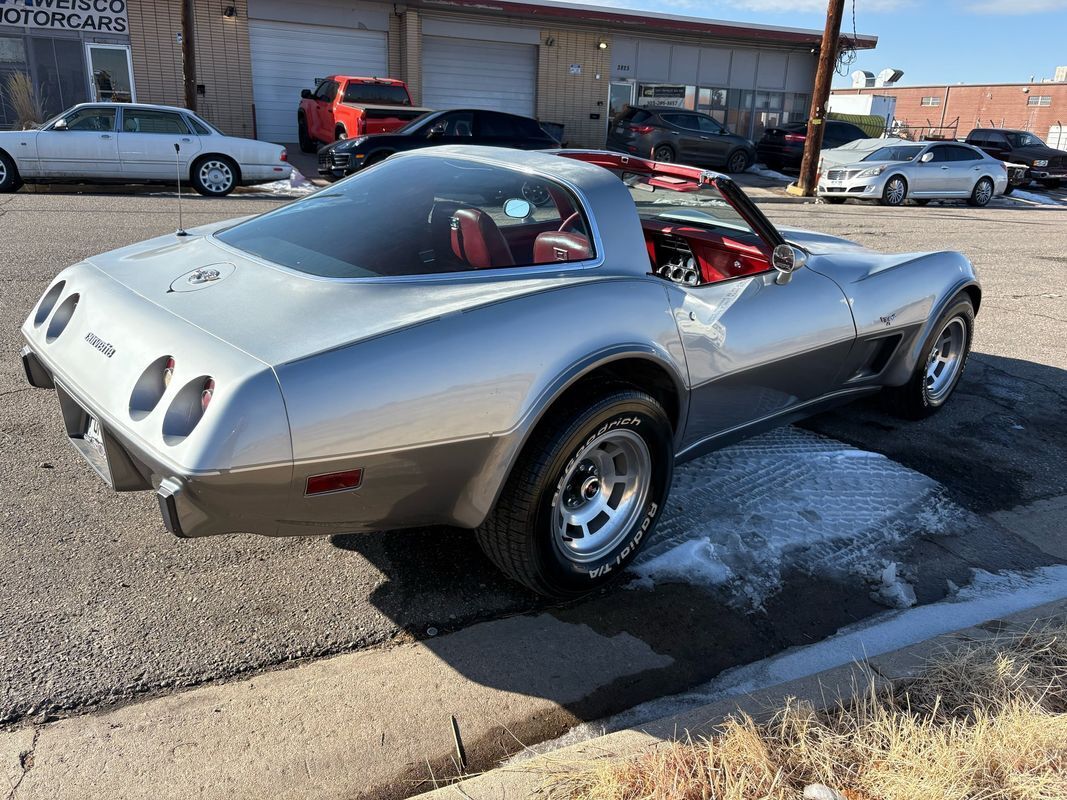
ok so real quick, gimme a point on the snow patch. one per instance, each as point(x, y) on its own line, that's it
point(296, 185)
point(988, 596)
point(789, 500)
point(1030, 197)
point(764, 172)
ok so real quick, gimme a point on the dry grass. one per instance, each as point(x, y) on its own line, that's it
point(986, 723)
point(24, 100)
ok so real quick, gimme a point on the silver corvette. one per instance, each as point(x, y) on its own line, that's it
point(519, 343)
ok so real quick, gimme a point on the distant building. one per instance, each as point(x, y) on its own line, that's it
point(1061, 74)
point(1034, 107)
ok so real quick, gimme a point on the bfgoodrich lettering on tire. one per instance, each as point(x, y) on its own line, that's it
point(940, 365)
point(584, 496)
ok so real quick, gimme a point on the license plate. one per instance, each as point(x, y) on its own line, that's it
point(93, 448)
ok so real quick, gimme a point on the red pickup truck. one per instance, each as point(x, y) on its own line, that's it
point(342, 107)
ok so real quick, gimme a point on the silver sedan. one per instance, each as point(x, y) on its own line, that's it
point(919, 171)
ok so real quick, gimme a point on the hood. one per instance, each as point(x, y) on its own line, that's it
point(277, 315)
point(821, 243)
point(843, 260)
point(1036, 152)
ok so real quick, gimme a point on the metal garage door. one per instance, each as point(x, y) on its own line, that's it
point(472, 73)
point(287, 57)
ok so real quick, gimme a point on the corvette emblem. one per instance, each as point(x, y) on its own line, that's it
point(104, 347)
point(204, 275)
point(887, 321)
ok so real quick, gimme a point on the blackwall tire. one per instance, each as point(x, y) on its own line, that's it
point(307, 144)
point(664, 153)
point(940, 365)
point(737, 161)
point(10, 181)
point(584, 496)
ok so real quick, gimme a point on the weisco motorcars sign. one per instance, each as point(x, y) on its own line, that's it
point(100, 16)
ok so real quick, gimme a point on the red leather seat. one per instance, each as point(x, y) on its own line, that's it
point(561, 246)
point(477, 241)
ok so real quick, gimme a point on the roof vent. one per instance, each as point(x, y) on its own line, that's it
point(862, 79)
point(888, 76)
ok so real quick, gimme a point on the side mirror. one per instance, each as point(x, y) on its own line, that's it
point(787, 260)
point(61, 125)
point(927, 158)
point(305, 94)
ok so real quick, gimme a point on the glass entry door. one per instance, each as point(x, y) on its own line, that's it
point(620, 95)
point(110, 73)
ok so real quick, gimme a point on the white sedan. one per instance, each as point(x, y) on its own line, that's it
point(135, 143)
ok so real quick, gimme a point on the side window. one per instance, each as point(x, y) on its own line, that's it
point(639, 116)
point(941, 155)
point(963, 154)
point(708, 125)
point(455, 123)
point(326, 91)
point(199, 128)
point(978, 139)
point(998, 140)
point(498, 126)
point(145, 121)
point(91, 119)
point(687, 121)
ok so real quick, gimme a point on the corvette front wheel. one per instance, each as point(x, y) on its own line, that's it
point(940, 365)
point(584, 496)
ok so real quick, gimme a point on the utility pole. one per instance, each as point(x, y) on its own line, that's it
point(831, 35)
point(189, 53)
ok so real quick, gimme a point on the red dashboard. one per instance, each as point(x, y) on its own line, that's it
point(716, 256)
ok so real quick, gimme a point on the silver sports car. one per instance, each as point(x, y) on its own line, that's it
point(519, 343)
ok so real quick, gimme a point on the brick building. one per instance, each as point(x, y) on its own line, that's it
point(568, 64)
point(1034, 107)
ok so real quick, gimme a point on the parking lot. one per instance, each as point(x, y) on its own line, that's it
point(102, 606)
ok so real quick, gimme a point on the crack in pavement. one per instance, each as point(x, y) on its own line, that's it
point(1060, 393)
point(25, 763)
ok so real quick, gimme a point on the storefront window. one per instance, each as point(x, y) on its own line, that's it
point(59, 66)
point(12, 60)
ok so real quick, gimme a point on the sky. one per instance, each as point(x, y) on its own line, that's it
point(936, 41)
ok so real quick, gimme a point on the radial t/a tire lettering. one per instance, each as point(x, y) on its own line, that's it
point(584, 496)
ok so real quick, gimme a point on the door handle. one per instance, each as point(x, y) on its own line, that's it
point(706, 138)
point(186, 139)
point(105, 135)
point(944, 167)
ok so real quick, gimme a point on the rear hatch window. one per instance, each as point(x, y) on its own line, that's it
point(377, 94)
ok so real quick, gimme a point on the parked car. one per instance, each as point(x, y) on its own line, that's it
point(457, 126)
point(920, 171)
point(1046, 165)
point(342, 107)
point(784, 146)
point(677, 134)
point(135, 143)
point(423, 344)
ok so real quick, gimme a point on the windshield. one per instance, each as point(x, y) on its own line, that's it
point(421, 215)
point(382, 94)
point(1024, 140)
point(702, 205)
point(894, 152)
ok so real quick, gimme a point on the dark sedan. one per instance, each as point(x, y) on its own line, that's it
point(677, 134)
point(457, 126)
point(784, 146)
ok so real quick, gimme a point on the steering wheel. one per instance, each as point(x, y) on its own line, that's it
point(572, 224)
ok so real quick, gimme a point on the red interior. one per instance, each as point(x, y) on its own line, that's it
point(719, 256)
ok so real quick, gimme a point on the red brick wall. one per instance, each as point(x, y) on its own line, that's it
point(978, 106)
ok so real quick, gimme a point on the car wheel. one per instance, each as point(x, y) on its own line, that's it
point(835, 201)
point(920, 201)
point(214, 176)
point(895, 191)
point(584, 495)
point(307, 144)
point(340, 134)
point(982, 193)
point(663, 153)
point(1052, 183)
point(940, 365)
point(737, 162)
point(9, 174)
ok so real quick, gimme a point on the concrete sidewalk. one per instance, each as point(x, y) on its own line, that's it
point(528, 778)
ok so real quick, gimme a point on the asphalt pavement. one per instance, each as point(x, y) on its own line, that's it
point(102, 606)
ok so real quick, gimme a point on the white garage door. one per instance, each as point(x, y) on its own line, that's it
point(287, 57)
point(472, 73)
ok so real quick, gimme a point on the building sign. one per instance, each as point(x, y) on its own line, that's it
point(95, 16)
point(661, 94)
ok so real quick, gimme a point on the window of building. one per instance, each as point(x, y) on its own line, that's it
point(1039, 100)
point(933, 100)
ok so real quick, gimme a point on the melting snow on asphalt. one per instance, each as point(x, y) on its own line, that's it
point(988, 596)
point(296, 185)
point(1029, 197)
point(792, 500)
point(764, 172)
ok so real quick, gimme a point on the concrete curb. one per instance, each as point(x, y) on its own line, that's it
point(822, 690)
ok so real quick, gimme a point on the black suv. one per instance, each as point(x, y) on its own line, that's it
point(457, 126)
point(677, 134)
point(784, 146)
point(1046, 165)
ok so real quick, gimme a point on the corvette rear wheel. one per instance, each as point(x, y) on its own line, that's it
point(584, 496)
point(940, 365)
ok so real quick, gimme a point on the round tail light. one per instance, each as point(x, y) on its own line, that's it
point(48, 302)
point(206, 393)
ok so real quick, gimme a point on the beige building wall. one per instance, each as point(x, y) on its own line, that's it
point(570, 98)
point(410, 55)
point(223, 61)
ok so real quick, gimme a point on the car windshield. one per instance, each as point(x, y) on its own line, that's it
point(678, 200)
point(384, 94)
point(421, 215)
point(895, 152)
point(1024, 140)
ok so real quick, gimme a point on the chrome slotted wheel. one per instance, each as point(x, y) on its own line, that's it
point(603, 495)
point(945, 360)
point(983, 193)
point(895, 192)
point(216, 176)
point(3, 172)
